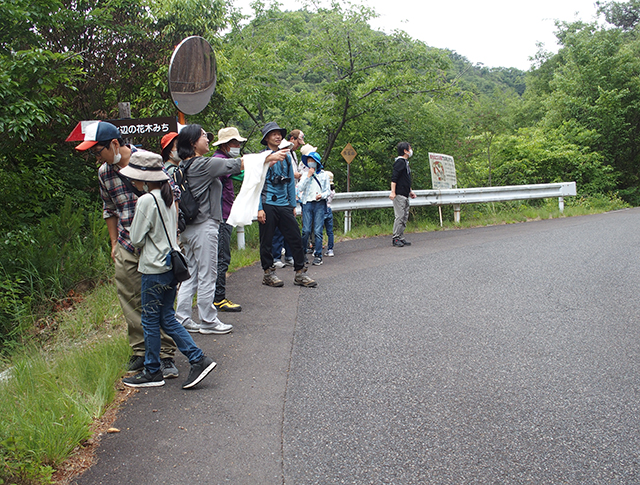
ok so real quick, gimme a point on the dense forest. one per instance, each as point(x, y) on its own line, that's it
point(574, 116)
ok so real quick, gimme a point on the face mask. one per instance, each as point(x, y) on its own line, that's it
point(234, 152)
point(145, 187)
point(116, 157)
point(312, 165)
point(410, 153)
point(174, 156)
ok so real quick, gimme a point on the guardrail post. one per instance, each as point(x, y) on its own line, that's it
point(347, 221)
point(561, 204)
point(456, 213)
point(240, 234)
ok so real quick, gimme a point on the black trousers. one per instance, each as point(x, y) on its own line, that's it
point(283, 219)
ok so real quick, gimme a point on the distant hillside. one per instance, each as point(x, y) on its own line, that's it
point(484, 80)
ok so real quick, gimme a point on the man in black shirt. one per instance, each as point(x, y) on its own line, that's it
point(401, 192)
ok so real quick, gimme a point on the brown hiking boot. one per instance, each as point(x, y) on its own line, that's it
point(302, 279)
point(270, 278)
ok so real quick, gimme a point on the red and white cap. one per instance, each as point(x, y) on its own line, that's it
point(98, 131)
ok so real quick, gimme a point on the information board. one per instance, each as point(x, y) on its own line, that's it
point(443, 171)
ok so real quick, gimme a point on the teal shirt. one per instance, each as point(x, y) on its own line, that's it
point(279, 194)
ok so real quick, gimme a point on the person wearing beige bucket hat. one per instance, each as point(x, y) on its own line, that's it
point(154, 231)
point(228, 146)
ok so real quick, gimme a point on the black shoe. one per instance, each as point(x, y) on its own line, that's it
point(136, 363)
point(199, 371)
point(397, 242)
point(169, 369)
point(144, 379)
point(405, 242)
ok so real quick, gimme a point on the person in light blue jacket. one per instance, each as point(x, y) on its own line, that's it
point(313, 191)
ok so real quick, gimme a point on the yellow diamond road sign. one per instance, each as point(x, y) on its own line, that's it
point(348, 153)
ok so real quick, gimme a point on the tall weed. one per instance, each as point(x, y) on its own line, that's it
point(41, 264)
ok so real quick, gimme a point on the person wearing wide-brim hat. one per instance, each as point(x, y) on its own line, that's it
point(268, 128)
point(277, 209)
point(154, 232)
point(228, 146)
point(313, 191)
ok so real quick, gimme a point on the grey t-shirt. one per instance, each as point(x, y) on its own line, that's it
point(206, 186)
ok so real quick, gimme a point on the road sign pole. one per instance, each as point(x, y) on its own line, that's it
point(348, 153)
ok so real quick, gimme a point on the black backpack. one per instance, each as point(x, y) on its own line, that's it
point(189, 205)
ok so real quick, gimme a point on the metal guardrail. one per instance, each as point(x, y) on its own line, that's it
point(349, 201)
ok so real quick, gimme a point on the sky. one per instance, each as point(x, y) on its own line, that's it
point(495, 33)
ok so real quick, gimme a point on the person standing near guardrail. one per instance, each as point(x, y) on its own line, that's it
point(401, 193)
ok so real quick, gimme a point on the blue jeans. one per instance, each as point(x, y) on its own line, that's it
point(158, 295)
point(328, 225)
point(313, 220)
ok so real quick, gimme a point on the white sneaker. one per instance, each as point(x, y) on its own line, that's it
point(329, 253)
point(191, 326)
point(217, 328)
point(278, 263)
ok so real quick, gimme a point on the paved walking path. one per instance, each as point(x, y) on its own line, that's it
point(506, 354)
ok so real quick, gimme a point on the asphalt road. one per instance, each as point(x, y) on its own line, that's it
point(505, 354)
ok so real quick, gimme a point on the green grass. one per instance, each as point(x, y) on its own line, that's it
point(57, 389)
point(66, 379)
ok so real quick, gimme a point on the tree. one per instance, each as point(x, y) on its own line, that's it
point(596, 87)
point(326, 68)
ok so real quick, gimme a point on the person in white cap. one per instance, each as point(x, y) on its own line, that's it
point(154, 230)
point(328, 215)
point(228, 146)
point(119, 198)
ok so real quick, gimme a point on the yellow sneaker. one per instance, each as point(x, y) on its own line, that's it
point(227, 306)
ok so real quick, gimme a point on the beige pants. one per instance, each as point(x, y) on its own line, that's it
point(128, 284)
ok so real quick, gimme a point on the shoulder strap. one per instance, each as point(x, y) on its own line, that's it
point(185, 164)
point(319, 184)
point(126, 182)
point(162, 220)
